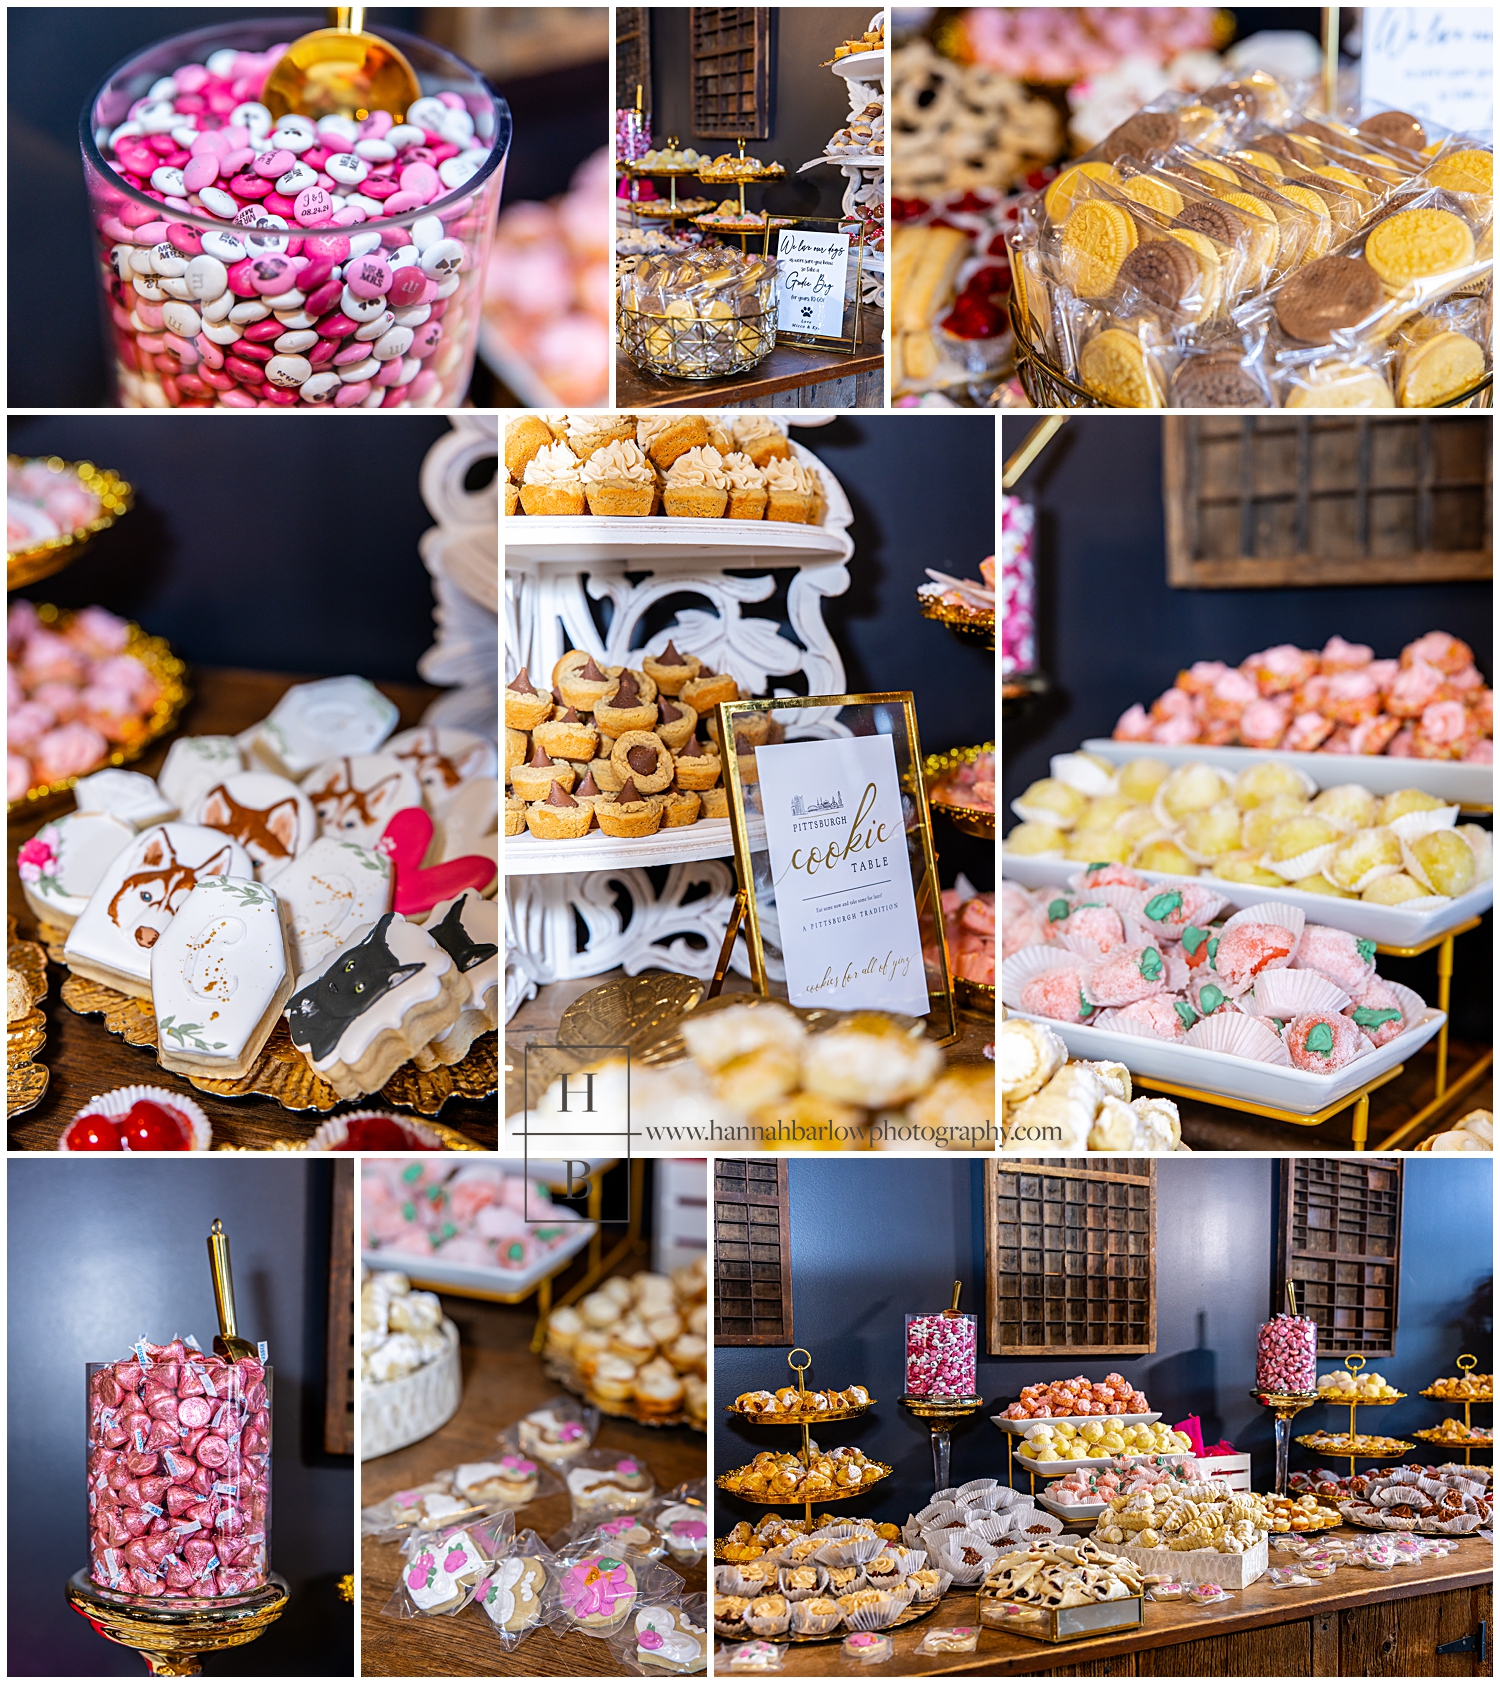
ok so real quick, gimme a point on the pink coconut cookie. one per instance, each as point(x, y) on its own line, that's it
point(1324, 1041)
point(1207, 997)
point(1021, 925)
point(1344, 959)
point(1102, 876)
point(1126, 974)
point(1056, 994)
point(1177, 905)
point(1165, 1016)
point(1245, 950)
point(1101, 925)
point(1377, 1011)
point(1339, 656)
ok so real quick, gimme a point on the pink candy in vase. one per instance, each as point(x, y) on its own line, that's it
point(941, 1353)
point(1286, 1356)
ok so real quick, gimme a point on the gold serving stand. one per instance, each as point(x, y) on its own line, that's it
point(50, 555)
point(1433, 1435)
point(25, 1079)
point(1286, 1406)
point(1359, 1099)
point(972, 821)
point(806, 1417)
point(172, 1634)
point(1355, 1365)
point(968, 623)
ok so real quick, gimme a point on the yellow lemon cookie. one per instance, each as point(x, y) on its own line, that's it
point(1348, 180)
point(1340, 385)
point(1114, 365)
point(1095, 241)
point(1469, 171)
point(1414, 244)
point(1059, 198)
point(1267, 161)
point(1439, 368)
point(1155, 195)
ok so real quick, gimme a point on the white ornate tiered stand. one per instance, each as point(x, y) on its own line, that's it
point(553, 566)
point(864, 172)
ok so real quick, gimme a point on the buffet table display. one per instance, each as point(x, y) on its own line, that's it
point(858, 149)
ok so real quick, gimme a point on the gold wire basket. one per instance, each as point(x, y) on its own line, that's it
point(51, 555)
point(699, 347)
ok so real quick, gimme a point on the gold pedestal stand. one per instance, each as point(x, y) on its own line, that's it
point(1286, 1405)
point(941, 1414)
point(1433, 1435)
point(171, 1634)
point(1354, 1365)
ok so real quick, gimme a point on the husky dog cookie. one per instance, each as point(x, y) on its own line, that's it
point(512, 1594)
point(220, 975)
point(440, 1572)
point(468, 931)
point(62, 865)
point(374, 1003)
point(270, 818)
point(130, 796)
point(138, 895)
point(193, 765)
point(443, 758)
point(315, 722)
point(667, 1637)
point(330, 892)
point(598, 1591)
point(356, 795)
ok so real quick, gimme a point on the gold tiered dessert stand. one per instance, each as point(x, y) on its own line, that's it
point(1434, 1435)
point(1355, 1365)
point(805, 1418)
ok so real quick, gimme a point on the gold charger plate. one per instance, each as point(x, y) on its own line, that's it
point(1341, 1401)
point(26, 1080)
point(668, 1047)
point(790, 1498)
point(812, 1419)
point(51, 555)
point(972, 821)
point(566, 1375)
point(1431, 1436)
point(155, 654)
point(1488, 1397)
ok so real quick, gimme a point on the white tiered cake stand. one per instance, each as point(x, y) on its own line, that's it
point(552, 567)
point(864, 172)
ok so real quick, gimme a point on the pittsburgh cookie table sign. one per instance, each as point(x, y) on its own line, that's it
point(844, 899)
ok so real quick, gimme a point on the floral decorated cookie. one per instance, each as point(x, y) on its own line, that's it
point(598, 1591)
point(621, 1487)
point(551, 1438)
point(512, 1594)
point(685, 1529)
point(667, 1638)
point(440, 1572)
point(628, 1532)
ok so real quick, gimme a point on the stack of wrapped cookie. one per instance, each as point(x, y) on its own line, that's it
point(629, 751)
point(698, 467)
point(1235, 249)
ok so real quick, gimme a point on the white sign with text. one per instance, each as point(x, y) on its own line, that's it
point(1433, 61)
point(844, 897)
point(810, 282)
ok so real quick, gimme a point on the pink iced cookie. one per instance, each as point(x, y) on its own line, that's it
point(1245, 950)
point(1126, 974)
point(1101, 925)
point(1324, 1041)
point(1164, 1016)
point(1344, 959)
point(1056, 994)
point(1377, 1011)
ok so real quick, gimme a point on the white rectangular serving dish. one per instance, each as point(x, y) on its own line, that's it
point(1239, 1078)
point(1388, 925)
point(1019, 1428)
point(1055, 1470)
point(434, 1275)
point(1199, 1567)
point(1072, 1511)
point(1472, 787)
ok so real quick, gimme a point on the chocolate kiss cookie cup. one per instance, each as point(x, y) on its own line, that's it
point(567, 737)
point(696, 767)
point(679, 807)
point(627, 815)
point(670, 670)
point(676, 722)
point(645, 758)
point(533, 780)
point(581, 682)
point(629, 705)
point(525, 705)
point(559, 818)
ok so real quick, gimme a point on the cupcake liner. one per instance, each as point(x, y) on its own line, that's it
point(1412, 825)
point(1113, 1021)
point(1079, 772)
point(764, 1627)
point(989, 1525)
point(908, 1561)
point(1281, 912)
point(879, 1614)
point(850, 1552)
point(1373, 875)
point(731, 1628)
point(1032, 814)
point(965, 1537)
point(1287, 994)
point(949, 1494)
point(1030, 962)
point(1413, 1006)
point(812, 1625)
point(936, 1511)
point(728, 1581)
point(330, 1136)
point(117, 1102)
point(801, 1593)
point(1414, 869)
point(843, 1529)
point(963, 1572)
point(1240, 1036)
point(921, 1594)
point(1035, 1527)
point(1306, 864)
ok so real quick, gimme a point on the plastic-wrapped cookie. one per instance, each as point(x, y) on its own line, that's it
point(512, 1593)
point(440, 1572)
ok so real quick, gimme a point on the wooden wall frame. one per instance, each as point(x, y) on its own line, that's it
point(1277, 500)
point(752, 1252)
point(633, 58)
point(731, 72)
point(1070, 1257)
point(338, 1405)
point(1338, 1240)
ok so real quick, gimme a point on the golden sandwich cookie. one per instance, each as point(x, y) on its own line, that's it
point(1438, 369)
point(1114, 366)
point(1095, 241)
point(1468, 171)
point(1340, 385)
point(1415, 244)
point(1153, 194)
point(1062, 193)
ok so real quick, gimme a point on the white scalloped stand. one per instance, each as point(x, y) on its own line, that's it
point(553, 567)
point(864, 72)
point(399, 1412)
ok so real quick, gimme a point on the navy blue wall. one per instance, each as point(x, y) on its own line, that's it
point(874, 1240)
point(101, 1252)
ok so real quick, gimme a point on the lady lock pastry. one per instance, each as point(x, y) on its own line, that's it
point(558, 817)
point(628, 705)
point(643, 756)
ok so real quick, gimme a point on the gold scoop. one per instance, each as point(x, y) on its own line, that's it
point(227, 1342)
point(341, 71)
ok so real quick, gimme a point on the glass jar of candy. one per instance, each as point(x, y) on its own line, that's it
point(179, 1474)
point(246, 263)
point(941, 1356)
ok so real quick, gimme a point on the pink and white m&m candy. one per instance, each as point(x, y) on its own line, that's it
point(941, 1355)
point(254, 231)
point(179, 1473)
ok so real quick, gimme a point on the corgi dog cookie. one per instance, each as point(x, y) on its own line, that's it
point(373, 1003)
point(271, 819)
point(467, 928)
point(355, 795)
point(316, 722)
point(329, 892)
point(220, 976)
point(195, 763)
point(440, 1572)
point(443, 759)
point(130, 796)
point(512, 1594)
point(62, 865)
point(137, 898)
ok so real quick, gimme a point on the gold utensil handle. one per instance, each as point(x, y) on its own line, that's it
point(351, 18)
point(218, 1263)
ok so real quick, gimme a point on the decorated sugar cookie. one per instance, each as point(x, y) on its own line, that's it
point(220, 975)
point(440, 1572)
point(193, 764)
point(61, 866)
point(329, 892)
point(686, 1530)
point(268, 816)
point(512, 1594)
point(468, 930)
point(629, 1532)
point(315, 722)
point(620, 1488)
point(406, 843)
point(443, 758)
point(471, 820)
point(598, 1591)
point(130, 796)
point(355, 795)
point(666, 1637)
point(373, 1003)
point(137, 897)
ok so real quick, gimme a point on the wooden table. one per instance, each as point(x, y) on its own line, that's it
point(82, 1055)
point(781, 381)
point(502, 1382)
point(1356, 1624)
